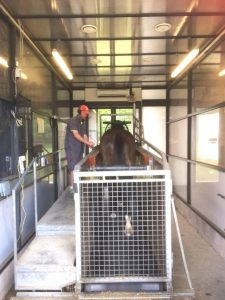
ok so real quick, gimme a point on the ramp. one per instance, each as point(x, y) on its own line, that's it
point(48, 262)
point(59, 220)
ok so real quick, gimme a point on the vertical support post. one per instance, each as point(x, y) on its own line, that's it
point(71, 103)
point(60, 174)
point(189, 134)
point(55, 151)
point(168, 195)
point(167, 120)
point(12, 93)
point(134, 114)
point(55, 144)
point(78, 231)
point(14, 233)
point(35, 195)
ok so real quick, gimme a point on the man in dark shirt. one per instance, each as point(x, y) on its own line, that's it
point(76, 137)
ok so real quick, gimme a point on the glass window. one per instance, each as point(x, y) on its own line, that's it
point(103, 115)
point(63, 95)
point(61, 136)
point(15, 126)
point(178, 102)
point(36, 80)
point(178, 138)
point(207, 193)
point(4, 60)
point(42, 134)
point(179, 176)
point(208, 86)
point(208, 139)
point(64, 112)
point(6, 131)
point(205, 130)
point(126, 115)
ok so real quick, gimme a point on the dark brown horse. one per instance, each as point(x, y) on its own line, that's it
point(117, 146)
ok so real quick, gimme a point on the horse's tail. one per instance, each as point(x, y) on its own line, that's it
point(124, 148)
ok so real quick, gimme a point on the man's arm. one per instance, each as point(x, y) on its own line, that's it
point(81, 139)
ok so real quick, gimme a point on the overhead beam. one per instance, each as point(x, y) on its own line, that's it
point(120, 15)
point(126, 54)
point(125, 38)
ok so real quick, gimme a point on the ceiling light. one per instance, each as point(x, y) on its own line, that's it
point(3, 62)
point(221, 73)
point(162, 27)
point(185, 62)
point(58, 58)
point(89, 28)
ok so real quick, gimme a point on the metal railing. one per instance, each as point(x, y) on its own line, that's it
point(139, 138)
point(30, 177)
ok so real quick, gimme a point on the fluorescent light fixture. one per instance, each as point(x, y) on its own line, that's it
point(58, 58)
point(221, 73)
point(3, 62)
point(185, 62)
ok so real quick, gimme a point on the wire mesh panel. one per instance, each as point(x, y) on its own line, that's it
point(123, 226)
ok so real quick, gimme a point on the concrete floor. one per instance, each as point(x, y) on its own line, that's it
point(206, 267)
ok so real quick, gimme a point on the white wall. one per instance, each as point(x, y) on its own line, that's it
point(154, 122)
point(93, 126)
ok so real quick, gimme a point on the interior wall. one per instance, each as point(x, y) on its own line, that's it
point(197, 149)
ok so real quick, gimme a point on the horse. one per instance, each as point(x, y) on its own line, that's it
point(117, 146)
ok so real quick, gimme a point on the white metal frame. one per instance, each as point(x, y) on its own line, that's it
point(146, 175)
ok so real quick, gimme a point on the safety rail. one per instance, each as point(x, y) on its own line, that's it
point(138, 129)
point(33, 173)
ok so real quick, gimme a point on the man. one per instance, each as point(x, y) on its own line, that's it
point(76, 137)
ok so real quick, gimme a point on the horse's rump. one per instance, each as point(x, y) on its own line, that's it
point(117, 147)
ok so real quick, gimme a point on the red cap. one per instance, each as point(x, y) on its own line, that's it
point(83, 108)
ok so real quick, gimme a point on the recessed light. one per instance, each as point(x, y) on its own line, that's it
point(162, 27)
point(89, 28)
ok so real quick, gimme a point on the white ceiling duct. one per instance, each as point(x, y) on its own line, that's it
point(93, 94)
point(113, 93)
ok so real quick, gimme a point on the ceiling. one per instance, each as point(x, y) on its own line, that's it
point(125, 51)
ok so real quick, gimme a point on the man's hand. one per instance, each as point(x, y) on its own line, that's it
point(91, 144)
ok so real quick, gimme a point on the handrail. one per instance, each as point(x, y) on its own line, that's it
point(137, 125)
point(161, 153)
point(19, 183)
point(32, 165)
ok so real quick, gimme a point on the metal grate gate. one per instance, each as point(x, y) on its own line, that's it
point(124, 225)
